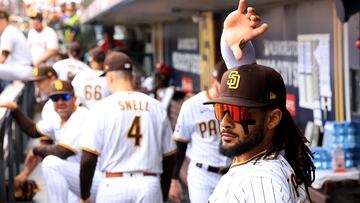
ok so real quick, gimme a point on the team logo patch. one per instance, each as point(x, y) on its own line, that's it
point(272, 96)
point(35, 71)
point(233, 80)
point(58, 85)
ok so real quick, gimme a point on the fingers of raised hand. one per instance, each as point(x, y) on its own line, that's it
point(237, 51)
point(254, 20)
point(250, 11)
point(260, 30)
point(242, 6)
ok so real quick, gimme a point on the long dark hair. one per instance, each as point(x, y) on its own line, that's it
point(288, 137)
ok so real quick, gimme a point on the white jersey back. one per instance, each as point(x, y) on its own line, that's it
point(67, 135)
point(130, 132)
point(197, 125)
point(264, 180)
point(14, 41)
point(68, 68)
point(89, 87)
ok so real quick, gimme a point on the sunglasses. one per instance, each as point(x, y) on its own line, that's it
point(64, 97)
point(238, 114)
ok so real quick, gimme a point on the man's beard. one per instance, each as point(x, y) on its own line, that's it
point(240, 148)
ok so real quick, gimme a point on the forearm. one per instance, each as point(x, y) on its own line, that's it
point(2, 59)
point(229, 58)
point(179, 158)
point(87, 170)
point(3, 56)
point(25, 123)
point(46, 56)
point(56, 150)
point(168, 166)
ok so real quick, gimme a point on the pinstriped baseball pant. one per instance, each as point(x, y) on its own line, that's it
point(201, 183)
point(140, 189)
point(62, 177)
point(15, 72)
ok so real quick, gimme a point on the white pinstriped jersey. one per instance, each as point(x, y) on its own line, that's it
point(89, 87)
point(48, 112)
point(197, 125)
point(68, 68)
point(68, 134)
point(130, 132)
point(265, 180)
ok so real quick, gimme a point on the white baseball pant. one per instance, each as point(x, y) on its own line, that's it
point(138, 189)
point(201, 183)
point(15, 72)
point(62, 177)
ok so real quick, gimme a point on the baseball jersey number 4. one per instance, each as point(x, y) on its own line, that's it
point(93, 92)
point(134, 131)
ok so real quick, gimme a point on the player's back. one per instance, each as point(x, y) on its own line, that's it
point(89, 87)
point(134, 131)
point(68, 68)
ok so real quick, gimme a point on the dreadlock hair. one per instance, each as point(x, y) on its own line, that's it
point(289, 138)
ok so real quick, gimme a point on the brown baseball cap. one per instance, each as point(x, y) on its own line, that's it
point(116, 61)
point(36, 16)
point(252, 85)
point(61, 87)
point(42, 72)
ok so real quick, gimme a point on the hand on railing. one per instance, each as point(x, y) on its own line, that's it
point(240, 26)
point(9, 105)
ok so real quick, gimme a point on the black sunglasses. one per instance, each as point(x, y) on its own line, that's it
point(64, 97)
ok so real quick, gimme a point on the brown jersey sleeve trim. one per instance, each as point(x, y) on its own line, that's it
point(169, 153)
point(40, 133)
point(180, 140)
point(90, 151)
point(45, 138)
point(68, 148)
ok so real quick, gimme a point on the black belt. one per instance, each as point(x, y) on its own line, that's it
point(213, 169)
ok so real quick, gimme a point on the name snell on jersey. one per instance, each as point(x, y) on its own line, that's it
point(133, 106)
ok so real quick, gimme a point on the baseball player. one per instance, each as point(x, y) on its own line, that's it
point(42, 41)
point(271, 160)
point(62, 176)
point(42, 76)
point(15, 57)
point(131, 134)
point(65, 132)
point(197, 134)
point(68, 68)
point(88, 86)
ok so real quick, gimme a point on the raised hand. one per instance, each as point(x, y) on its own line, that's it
point(240, 26)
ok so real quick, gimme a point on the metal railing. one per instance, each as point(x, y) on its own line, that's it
point(11, 141)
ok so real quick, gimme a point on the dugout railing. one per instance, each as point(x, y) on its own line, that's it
point(13, 143)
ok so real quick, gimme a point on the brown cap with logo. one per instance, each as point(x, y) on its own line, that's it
point(42, 72)
point(252, 86)
point(36, 16)
point(61, 87)
point(116, 61)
